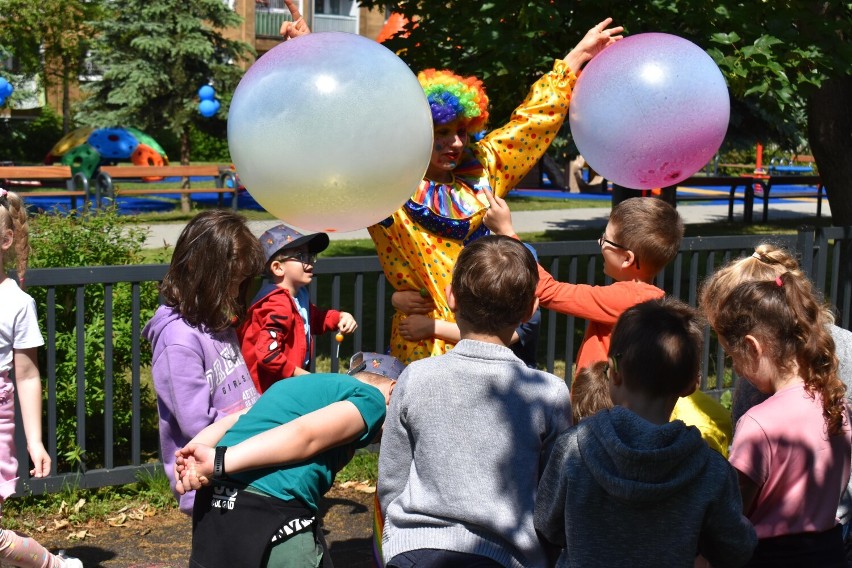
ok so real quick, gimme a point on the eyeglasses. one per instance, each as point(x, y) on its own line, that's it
point(603, 240)
point(611, 363)
point(303, 257)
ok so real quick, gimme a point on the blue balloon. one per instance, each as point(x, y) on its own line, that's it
point(217, 104)
point(2, 101)
point(207, 108)
point(6, 88)
point(206, 93)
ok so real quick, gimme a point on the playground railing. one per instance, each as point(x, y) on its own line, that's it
point(357, 285)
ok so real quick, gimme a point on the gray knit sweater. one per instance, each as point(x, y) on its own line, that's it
point(621, 491)
point(465, 441)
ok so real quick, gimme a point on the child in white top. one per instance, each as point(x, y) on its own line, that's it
point(19, 340)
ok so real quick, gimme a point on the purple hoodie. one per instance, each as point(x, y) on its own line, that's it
point(199, 378)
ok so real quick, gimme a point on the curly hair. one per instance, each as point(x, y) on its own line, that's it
point(13, 217)
point(768, 296)
point(452, 97)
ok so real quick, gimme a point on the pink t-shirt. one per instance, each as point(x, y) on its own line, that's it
point(782, 445)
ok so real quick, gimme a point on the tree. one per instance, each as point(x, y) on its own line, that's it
point(48, 40)
point(786, 63)
point(154, 55)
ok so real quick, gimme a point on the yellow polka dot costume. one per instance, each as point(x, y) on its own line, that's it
point(418, 244)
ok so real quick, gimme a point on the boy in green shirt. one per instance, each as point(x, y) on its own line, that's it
point(261, 476)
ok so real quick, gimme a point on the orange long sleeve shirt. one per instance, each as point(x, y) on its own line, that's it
point(600, 305)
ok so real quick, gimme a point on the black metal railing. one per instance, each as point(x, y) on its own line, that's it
point(354, 284)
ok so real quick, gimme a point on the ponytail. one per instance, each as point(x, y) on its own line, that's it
point(13, 216)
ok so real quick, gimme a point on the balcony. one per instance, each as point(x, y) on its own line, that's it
point(334, 23)
point(267, 22)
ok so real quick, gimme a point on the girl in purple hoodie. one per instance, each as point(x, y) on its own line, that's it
point(199, 373)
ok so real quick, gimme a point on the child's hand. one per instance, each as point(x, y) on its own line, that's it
point(410, 302)
point(498, 218)
point(297, 27)
point(347, 323)
point(595, 40)
point(41, 460)
point(193, 467)
point(416, 327)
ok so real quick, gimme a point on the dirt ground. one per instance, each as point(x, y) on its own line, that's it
point(161, 539)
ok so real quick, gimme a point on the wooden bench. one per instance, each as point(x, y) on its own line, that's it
point(15, 178)
point(224, 181)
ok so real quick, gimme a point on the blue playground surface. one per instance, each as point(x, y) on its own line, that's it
point(168, 202)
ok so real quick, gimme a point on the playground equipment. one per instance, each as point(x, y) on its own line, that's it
point(86, 149)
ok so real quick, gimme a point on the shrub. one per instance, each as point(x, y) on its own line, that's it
point(29, 141)
point(91, 238)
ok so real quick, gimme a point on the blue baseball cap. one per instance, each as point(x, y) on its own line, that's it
point(377, 363)
point(282, 237)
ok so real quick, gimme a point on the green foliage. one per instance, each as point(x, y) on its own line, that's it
point(154, 56)
point(773, 54)
point(209, 142)
point(26, 142)
point(363, 467)
point(91, 238)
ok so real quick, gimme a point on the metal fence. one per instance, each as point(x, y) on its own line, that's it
point(354, 284)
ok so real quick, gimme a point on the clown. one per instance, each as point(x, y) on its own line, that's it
point(419, 243)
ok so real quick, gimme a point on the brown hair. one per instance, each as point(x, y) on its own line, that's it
point(13, 217)
point(590, 391)
point(784, 312)
point(649, 227)
point(213, 251)
point(494, 283)
point(656, 346)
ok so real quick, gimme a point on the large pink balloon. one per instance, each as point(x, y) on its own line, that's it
point(649, 111)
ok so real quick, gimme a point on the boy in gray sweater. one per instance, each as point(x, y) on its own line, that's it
point(626, 487)
point(468, 433)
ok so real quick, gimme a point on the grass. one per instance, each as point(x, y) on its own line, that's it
point(78, 506)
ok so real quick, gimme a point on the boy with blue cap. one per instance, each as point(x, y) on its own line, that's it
point(276, 338)
point(261, 476)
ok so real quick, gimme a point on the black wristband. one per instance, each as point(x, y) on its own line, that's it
point(219, 463)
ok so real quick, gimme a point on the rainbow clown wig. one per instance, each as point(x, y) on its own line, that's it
point(452, 97)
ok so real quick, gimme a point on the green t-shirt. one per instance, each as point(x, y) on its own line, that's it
point(294, 397)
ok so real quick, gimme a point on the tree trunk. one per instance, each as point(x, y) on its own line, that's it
point(66, 103)
point(830, 138)
point(185, 203)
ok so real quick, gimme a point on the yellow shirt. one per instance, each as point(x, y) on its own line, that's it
point(712, 420)
point(418, 244)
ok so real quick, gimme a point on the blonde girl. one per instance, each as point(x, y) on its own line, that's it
point(793, 450)
point(20, 338)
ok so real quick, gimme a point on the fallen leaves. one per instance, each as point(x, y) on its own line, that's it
point(362, 486)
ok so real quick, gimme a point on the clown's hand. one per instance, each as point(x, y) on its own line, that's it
point(498, 218)
point(595, 40)
point(297, 27)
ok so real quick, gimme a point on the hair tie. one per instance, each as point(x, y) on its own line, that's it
point(756, 255)
point(779, 281)
point(3, 193)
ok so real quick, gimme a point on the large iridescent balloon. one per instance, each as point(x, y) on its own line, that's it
point(330, 132)
point(649, 111)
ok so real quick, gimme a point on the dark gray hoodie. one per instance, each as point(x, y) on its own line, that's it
point(621, 491)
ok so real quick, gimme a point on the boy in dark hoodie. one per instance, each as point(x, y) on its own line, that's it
point(626, 487)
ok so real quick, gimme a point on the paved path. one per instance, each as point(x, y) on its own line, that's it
point(556, 219)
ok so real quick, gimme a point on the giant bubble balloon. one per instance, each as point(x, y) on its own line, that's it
point(330, 132)
point(649, 111)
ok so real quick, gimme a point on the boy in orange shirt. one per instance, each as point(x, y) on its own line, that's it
point(642, 236)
